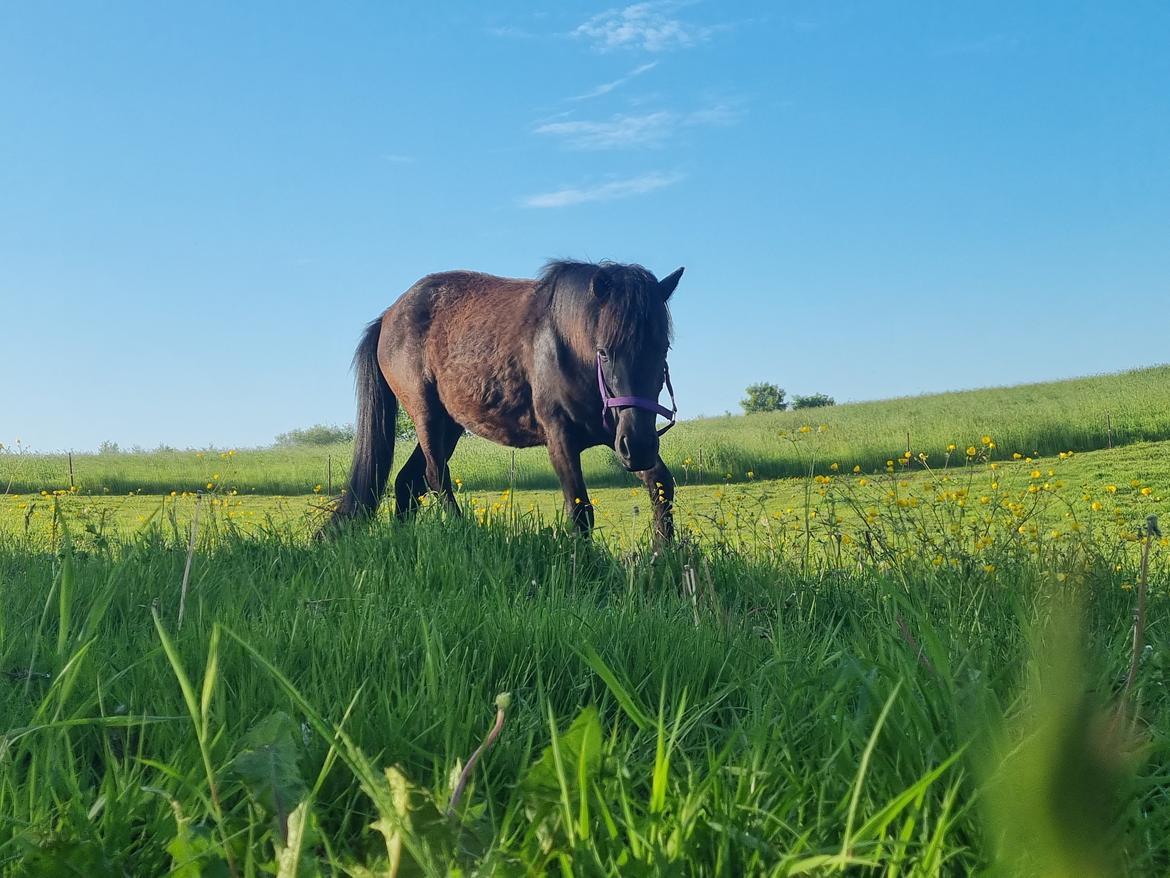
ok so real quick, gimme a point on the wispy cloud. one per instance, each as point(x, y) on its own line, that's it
point(613, 133)
point(631, 130)
point(398, 158)
point(610, 191)
point(606, 87)
point(649, 26)
point(715, 114)
point(512, 32)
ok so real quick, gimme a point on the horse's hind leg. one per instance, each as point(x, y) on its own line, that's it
point(437, 432)
point(454, 431)
point(410, 484)
point(438, 435)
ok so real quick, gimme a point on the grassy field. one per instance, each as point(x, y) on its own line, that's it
point(1078, 415)
point(918, 665)
point(743, 718)
point(1101, 492)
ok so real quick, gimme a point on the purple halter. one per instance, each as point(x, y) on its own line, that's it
point(639, 402)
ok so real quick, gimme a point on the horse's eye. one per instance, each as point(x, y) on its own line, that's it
point(604, 354)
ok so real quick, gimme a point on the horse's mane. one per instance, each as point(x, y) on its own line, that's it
point(632, 312)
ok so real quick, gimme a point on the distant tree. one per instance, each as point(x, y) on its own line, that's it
point(327, 434)
point(318, 434)
point(404, 427)
point(109, 447)
point(763, 397)
point(812, 401)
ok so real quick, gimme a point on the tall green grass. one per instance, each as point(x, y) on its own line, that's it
point(687, 713)
point(1077, 415)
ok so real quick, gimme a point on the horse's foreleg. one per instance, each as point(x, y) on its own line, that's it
point(566, 461)
point(660, 483)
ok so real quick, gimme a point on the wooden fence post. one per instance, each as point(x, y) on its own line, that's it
point(71, 483)
point(1109, 428)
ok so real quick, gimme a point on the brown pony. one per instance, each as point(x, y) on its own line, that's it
point(520, 362)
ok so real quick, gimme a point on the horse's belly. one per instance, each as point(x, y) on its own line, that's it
point(495, 404)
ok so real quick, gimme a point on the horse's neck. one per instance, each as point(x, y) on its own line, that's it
point(573, 340)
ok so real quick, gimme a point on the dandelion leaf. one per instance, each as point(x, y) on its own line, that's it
point(195, 854)
point(267, 765)
point(416, 833)
point(578, 751)
point(295, 859)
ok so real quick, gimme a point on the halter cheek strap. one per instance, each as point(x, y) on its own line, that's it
point(639, 402)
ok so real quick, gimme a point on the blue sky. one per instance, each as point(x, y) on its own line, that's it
point(202, 204)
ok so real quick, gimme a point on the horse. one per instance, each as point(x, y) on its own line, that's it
point(570, 360)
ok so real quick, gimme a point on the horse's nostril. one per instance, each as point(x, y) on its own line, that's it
point(624, 447)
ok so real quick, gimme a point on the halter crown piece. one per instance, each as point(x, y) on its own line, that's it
point(639, 402)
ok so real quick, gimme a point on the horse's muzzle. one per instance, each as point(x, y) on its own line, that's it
point(637, 450)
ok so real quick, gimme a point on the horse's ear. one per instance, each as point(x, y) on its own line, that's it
point(601, 285)
point(667, 284)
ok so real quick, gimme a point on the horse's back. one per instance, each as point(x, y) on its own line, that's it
point(466, 338)
point(450, 295)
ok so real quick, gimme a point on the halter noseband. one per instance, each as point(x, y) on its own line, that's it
point(639, 402)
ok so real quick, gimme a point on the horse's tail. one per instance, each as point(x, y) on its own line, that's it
point(373, 446)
